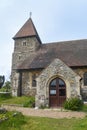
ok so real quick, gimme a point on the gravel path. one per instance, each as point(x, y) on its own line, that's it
point(52, 113)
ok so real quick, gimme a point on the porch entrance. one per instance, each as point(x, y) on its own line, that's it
point(57, 92)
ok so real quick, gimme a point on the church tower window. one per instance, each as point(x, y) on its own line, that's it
point(24, 43)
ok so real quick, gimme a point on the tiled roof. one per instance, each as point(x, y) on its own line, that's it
point(28, 29)
point(72, 53)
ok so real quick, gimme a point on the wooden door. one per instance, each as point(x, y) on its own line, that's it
point(57, 92)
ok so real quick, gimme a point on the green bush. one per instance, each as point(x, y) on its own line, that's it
point(6, 87)
point(30, 102)
point(12, 120)
point(73, 104)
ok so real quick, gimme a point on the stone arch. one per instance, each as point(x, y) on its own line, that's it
point(64, 79)
point(56, 69)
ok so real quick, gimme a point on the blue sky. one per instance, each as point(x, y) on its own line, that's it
point(55, 20)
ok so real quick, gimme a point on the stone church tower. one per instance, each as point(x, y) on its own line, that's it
point(26, 42)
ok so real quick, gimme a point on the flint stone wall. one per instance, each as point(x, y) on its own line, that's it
point(56, 69)
point(81, 71)
point(21, 52)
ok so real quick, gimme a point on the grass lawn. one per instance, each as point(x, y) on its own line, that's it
point(24, 101)
point(20, 122)
point(21, 101)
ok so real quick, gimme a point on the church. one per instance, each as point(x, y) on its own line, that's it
point(52, 72)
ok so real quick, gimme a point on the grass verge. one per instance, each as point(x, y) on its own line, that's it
point(20, 122)
point(24, 101)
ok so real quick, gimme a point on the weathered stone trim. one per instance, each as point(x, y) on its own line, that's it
point(56, 69)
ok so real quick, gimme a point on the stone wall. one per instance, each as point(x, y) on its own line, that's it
point(21, 52)
point(80, 71)
point(56, 69)
point(26, 83)
point(27, 88)
point(32, 44)
point(14, 83)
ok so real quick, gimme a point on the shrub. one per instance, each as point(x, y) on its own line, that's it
point(30, 102)
point(11, 120)
point(74, 104)
point(6, 87)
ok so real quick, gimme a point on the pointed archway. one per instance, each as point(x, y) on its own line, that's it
point(57, 92)
point(69, 79)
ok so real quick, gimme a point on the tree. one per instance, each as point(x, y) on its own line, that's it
point(7, 86)
point(2, 80)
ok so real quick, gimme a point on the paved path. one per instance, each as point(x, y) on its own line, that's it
point(52, 113)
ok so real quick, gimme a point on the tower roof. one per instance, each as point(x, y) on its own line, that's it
point(27, 30)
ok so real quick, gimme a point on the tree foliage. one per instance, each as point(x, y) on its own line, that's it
point(6, 87)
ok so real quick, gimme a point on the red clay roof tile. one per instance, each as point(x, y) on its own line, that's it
point(27, 30)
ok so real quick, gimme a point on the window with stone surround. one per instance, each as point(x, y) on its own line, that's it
point(24, 43)
point(85, 79)
point(19, 57)
point(34, 80)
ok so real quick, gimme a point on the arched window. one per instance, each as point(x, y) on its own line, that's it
point(34, 80)
point(85, 79)
point(24, 43)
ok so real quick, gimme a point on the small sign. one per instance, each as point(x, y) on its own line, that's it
point(53, 92)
